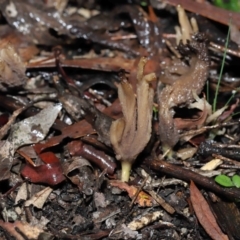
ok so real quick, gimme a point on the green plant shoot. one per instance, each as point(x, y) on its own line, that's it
point(221, 71)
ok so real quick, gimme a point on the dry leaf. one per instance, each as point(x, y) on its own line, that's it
point(31, 232)
point(198, 122)
point(216, 114)
point(143, 199)
point(38, 199)
point(12, 69)
point(213, 164)
point(22, 195)
point(205, 215)
point(144, 220)
point(30, 130)
point(228, 113)
point(34, 129)
point(186, 153)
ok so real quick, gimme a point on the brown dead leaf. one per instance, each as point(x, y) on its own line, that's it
point(76, 164)
point(31, 232)
point(12, 69)
point(189, 124)
point(28, 131)
point(192, 123)
point(143, 199)
point(103, 64)
point(205, 215)
point(227, 113)
point(78, 129)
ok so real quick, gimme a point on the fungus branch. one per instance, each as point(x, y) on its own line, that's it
point(130, 134)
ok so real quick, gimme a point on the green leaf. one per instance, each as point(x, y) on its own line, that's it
point(155, 109)
point(224, 181)
point(232, 5)
point(236, 180)
point(143, 3)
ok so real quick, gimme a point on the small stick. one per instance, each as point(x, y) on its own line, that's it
point(6, 127)
point(230, 161)
point(187, 175)
point(27, 158)
point(138, 191)
point(223, 49)
point(162, 202)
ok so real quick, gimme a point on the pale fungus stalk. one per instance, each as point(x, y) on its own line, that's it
point(126, 169)
point(130, 134)
point(187, 28)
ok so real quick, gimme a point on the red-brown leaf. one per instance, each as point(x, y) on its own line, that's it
point(78, 129)
point(204, 214)
point(50, 173)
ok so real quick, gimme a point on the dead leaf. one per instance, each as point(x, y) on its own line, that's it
point(115, 64)
point(186, 153)
point(143, 199)
point(211, 165)
point(144, 220)
point(78, 129)
point(76, 164)
point(22, 195)
point(12, 69)
point(31, 232)
point(30, 130)
point(80, 172)
point(216, 115)
point(50, 173)
point(205, 215)
point(34, 129)
point(38, 199)
point(6, 157)
point(227, 113)
point(196, 122)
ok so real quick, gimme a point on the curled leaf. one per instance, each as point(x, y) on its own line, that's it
point(30, 130)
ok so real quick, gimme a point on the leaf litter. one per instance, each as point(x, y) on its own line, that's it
point(86, 87)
